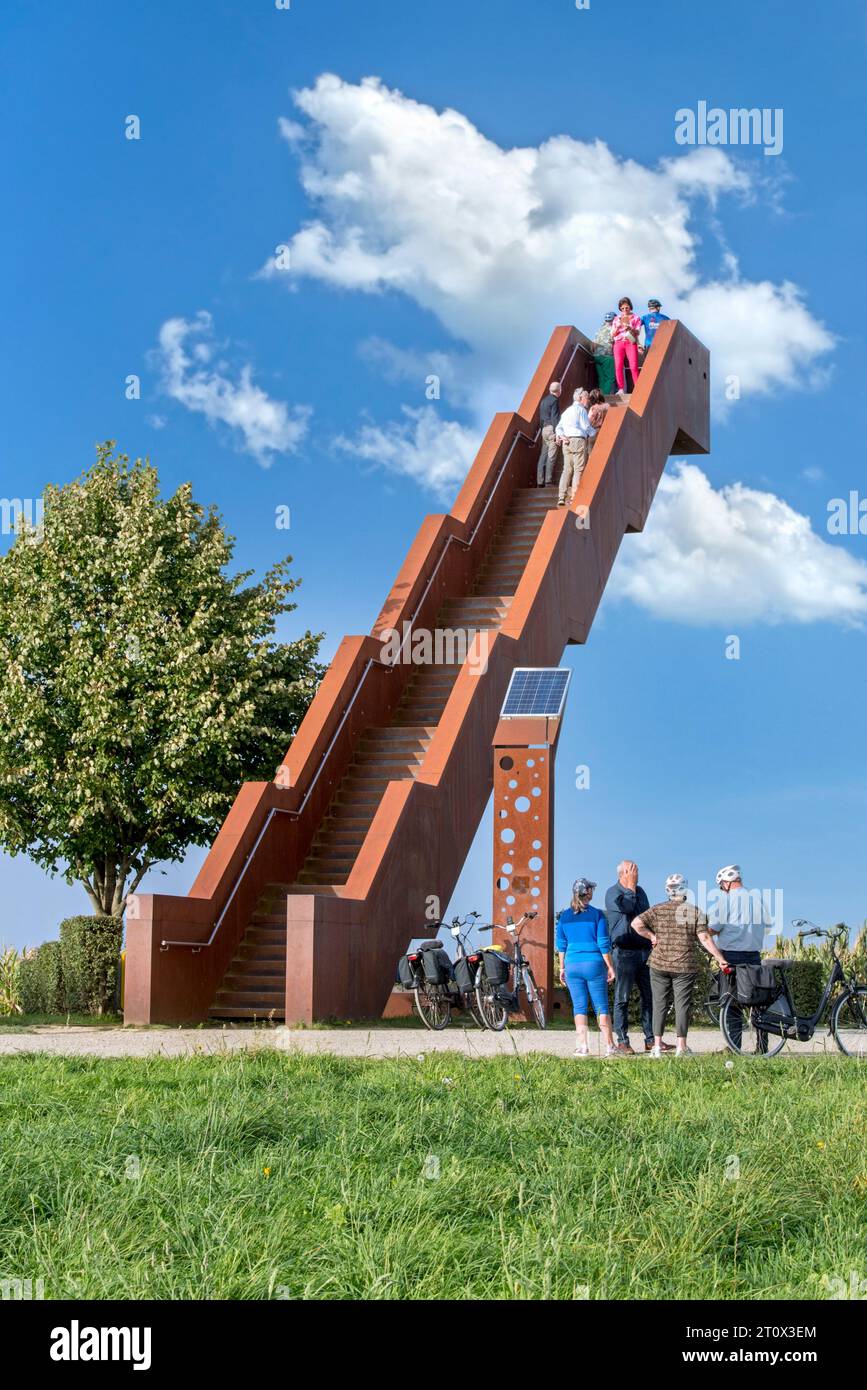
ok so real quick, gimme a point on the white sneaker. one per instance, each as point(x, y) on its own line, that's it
point(582, 1051)
point(684, 1052)
point(610, 1051)
point(655, 1051)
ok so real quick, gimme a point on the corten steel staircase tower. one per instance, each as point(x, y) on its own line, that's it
point(317, 880)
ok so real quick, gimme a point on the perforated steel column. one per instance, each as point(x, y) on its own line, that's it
point(524, 838)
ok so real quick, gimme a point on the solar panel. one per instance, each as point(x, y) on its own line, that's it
point(536, 691)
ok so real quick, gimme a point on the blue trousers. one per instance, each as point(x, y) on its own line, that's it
point(585, 976)
point(632, 972)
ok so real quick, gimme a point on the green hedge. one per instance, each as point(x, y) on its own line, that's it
point(41, 981)
point(90, 955)
point(77, 974)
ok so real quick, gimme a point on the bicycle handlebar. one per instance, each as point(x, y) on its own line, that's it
point(513, 926)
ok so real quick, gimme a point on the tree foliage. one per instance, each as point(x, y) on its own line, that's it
point(140, 682)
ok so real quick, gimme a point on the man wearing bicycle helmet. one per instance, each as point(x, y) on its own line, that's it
point(739, 921)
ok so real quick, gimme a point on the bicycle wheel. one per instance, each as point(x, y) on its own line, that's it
point(492, 1011)
point(849, 1022)
point(434, 1009)
point(712, 1004)
point(535, 999)
point(743, 1031)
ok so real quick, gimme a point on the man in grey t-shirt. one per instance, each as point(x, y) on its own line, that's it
point(739, 921)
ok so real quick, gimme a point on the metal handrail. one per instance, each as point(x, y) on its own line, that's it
point(295, 812)
point(200, 945)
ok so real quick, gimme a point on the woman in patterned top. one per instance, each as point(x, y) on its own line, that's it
point(624, 335)
point(675, 930)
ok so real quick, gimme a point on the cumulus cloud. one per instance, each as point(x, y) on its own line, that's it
point(501, 244)
point(192, 375)
point(736, 555)
point(423, 446)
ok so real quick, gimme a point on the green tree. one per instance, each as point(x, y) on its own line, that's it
point(140, 682)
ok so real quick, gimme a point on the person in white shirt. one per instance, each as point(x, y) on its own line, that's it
point(740, 922)
point(574, 432)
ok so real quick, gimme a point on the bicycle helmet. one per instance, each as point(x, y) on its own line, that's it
point(654, 304)
point(582, 886)
point(730, 874)
point(610, 316)
point(676, 885)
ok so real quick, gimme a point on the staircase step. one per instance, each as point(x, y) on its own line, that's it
point(233, 1011)
point(263, 999)
point(261, 980)
point(266, 936)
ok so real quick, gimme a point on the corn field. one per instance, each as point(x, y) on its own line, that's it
point(10, 983)
point(853, 955)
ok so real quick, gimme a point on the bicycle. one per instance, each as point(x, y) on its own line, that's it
point(771, 1028)
point(494, 1001)
point(434, 998)
point(712, 1002)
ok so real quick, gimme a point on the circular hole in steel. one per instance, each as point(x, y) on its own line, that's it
point(507, 763)
point(536, 791)
point(531, 762)
point(513, 783)
point(502, 884)
point(535, 863)
point(534, 892)
point(537, 844)
point(510, 900)
point(507, 836)
point(522, 803)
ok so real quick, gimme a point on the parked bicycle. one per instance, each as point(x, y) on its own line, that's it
point(436, 983)
point(495, 1000)
point(758, 1017)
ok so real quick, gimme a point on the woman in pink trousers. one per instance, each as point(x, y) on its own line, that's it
point(624, 337)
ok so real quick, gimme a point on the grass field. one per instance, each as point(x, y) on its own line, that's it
point(267, 1175)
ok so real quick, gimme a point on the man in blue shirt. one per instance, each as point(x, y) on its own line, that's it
point(625, 901)
point(651, 320)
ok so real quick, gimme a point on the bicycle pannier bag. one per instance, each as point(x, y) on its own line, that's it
point(437, 966)
point(756, 986)
point(464, 975)
point(497, 967)
point(406, 972)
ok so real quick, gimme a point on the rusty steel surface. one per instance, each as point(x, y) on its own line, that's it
point(328, 941)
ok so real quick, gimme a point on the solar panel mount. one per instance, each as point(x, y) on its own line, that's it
point(538, 691)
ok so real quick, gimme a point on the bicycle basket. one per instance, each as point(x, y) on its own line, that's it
point(497, 965)
point(756, 986)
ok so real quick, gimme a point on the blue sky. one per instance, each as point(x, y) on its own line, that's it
point(420, 241)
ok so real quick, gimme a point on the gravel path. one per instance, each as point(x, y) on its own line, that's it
point(350, 1042)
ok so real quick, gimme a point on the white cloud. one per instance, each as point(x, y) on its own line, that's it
point(434, 452)
point(736, 555)
point(488, 240)
point(191, 375)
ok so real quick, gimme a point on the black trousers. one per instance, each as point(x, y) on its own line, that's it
point(727, 986)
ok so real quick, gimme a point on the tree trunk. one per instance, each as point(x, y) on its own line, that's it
point(107, 884)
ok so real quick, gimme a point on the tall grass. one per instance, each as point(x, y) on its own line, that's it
point(271, 1175)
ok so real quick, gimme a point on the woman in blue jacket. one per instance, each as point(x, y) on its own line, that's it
point(585, 963)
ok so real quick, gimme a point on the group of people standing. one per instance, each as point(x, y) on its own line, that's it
point(654, 949)
point(621, 340)
point(574, 432)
